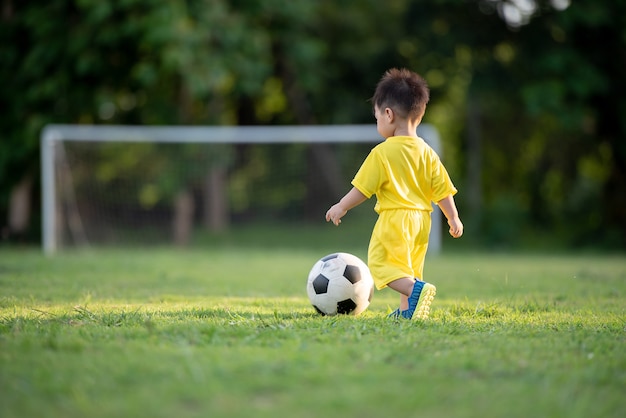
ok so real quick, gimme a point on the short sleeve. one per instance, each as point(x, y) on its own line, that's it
point(441, 185)
point(368, 178)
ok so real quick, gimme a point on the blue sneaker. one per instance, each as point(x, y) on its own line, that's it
point(395, 314)
point(419, 301)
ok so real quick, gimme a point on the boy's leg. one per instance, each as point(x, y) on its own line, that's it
point(398, 246)
point(404, 286)
point(422, 293)
point(404, 302)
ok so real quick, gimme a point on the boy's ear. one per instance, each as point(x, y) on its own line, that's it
point(389, 114)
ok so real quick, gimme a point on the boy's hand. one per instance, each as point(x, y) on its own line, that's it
point(353, 198)
point(456, 227)
point(335, 213)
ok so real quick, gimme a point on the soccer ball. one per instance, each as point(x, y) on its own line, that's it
point(340, 283)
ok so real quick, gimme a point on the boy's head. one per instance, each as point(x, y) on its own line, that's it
point(403, 91)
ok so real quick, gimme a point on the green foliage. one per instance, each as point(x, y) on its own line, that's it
point(229, 333)
point(550, 82)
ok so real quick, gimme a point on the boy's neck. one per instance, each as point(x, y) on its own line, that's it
point(405, 127)
point(407, 130)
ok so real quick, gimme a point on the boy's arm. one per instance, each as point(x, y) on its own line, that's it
point(353, 198)
point(449, 210)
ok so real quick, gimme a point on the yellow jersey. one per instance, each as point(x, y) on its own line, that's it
point(404, 173)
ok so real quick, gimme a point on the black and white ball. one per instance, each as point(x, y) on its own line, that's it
point(340, 283)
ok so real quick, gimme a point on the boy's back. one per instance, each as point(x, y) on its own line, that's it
point(404, 173)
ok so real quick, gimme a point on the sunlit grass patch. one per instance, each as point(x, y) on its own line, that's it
point(167, 333)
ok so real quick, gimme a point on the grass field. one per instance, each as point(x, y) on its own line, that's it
point(228, 332)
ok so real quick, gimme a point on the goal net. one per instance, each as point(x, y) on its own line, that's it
point(139, 185)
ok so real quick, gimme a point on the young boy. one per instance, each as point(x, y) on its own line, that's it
point(406, 175)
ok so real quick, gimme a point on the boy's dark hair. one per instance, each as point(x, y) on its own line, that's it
point(404, 91)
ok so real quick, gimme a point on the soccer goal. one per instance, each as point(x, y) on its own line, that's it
point(112, 184)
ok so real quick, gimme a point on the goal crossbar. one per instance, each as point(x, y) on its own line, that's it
point(51, 135)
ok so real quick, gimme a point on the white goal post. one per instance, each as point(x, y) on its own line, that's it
point(53, 135)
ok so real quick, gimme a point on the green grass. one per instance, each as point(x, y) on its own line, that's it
point(228, 332)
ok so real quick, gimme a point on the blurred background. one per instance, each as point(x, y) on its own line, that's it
point(529, 98)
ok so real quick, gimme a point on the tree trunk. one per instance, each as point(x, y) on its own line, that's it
point(20, 207)
point(183, 218)
point(215, 200)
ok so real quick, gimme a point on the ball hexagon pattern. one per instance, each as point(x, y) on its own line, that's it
point(340, 283)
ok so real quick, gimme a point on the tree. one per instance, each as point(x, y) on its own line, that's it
point(556, 79)
point(513, 85)
point(579, 87)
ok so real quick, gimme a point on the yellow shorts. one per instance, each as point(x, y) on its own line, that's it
point(398, 245)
